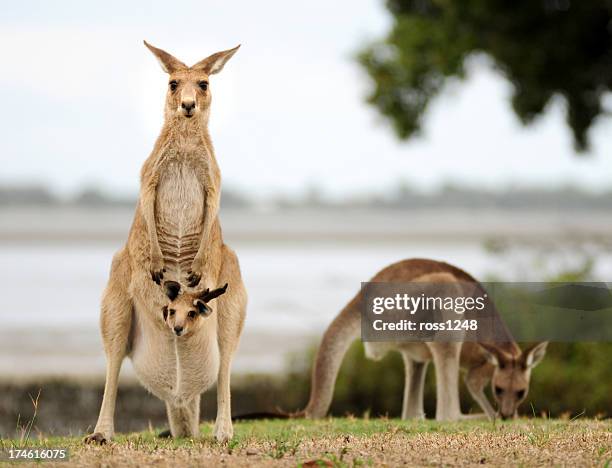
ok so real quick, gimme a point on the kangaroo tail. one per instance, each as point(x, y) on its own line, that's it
point(336, 341)
point(262, 415)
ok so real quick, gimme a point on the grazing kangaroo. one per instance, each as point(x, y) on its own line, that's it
point(502, 363)
point(175, 235)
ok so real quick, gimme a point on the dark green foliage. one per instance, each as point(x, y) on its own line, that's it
point(572, 378)
point(543, 48)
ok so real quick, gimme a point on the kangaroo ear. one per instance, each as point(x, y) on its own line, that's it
point(214, 63)
point(165, 312)
point(172, 289)
point(202, 307)
point(534, 354)
point(168, 63)
point(495, 356)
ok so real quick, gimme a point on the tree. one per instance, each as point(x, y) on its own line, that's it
point(543, 48)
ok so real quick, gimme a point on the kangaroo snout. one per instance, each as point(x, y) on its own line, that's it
point(188, 107)
point(178, 331)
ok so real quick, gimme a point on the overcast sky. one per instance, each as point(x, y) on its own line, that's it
point(82, 103)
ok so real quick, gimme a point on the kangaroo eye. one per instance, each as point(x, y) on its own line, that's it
point(498, 390)
point(172, 311)
point(191, 314)
point(173, 85)
point(203, 85)
point(520, 394)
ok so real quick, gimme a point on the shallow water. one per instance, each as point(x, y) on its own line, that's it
point(50, 306)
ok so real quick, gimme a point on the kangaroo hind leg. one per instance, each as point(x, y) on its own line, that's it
point(415, 373)
point(446, 362)
point(115, 323)
point(231, 310)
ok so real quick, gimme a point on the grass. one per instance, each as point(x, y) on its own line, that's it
point(358, 442)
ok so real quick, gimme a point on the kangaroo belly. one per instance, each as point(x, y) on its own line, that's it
point(416, 350)
point(174, 371)
point(179, 210)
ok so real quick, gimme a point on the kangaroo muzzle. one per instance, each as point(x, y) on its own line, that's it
point(188, 101)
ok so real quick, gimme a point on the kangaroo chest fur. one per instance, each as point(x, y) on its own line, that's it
point(179, 212)
point(174, 369)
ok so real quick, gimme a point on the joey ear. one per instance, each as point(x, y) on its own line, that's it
point(168, 63)
point(165, 312)
point(202, 307)
point(215, 63)
point(208, 296)
point(172, 289)
point(534, 354)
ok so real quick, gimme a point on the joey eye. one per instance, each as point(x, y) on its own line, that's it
point(498, 390)
point(191, 314)
point(203, 85)
point(520, 394)
point(172, 311)
point(173, 85)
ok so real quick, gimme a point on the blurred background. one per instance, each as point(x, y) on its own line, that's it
point(349, 134)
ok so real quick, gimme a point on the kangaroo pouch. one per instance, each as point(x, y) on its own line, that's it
point(175, 369)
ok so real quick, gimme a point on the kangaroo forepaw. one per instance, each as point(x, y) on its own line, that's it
point(95, 438)
point(193, 278)
point(157, 275)
point(157, 268)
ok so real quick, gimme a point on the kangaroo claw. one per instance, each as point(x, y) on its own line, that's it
point(193, 279)
point(158, 275)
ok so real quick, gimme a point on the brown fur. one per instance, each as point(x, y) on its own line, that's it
point(175, 234)
point(475, 359)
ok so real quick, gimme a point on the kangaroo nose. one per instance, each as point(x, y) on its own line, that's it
point(188, 105)
point(178, 330)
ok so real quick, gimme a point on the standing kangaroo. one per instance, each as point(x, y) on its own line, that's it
point(175, 235)
point(502, 363)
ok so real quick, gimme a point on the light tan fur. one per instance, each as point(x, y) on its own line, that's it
point(175, 235)
point(480, 361)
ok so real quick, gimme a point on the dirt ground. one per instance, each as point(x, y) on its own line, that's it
point(358, 442)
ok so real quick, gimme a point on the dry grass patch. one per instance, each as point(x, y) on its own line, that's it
point(359, 442)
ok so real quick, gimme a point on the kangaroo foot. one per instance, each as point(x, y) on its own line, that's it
point(95, 438)
point(223, 430)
